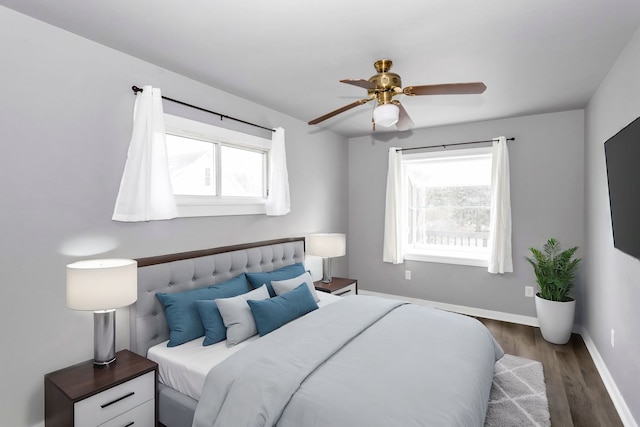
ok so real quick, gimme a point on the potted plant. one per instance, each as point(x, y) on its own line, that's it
point(554, 270)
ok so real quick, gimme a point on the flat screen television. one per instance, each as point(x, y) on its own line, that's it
point(622, 153)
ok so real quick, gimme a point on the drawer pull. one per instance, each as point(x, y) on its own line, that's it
point(343, 292)
point(117, 400)
point(130, 424)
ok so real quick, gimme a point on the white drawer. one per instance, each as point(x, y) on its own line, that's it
point(117, 400)
point(140, 416)
point(347, 290)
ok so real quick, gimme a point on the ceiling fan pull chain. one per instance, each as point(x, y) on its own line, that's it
point(373, 120)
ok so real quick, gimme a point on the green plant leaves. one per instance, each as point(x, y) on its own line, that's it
point(554, 270)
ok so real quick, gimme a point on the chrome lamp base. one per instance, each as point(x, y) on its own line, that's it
point(326, 270)
point(104, 337)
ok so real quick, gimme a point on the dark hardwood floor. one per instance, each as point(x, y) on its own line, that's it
point(577, 396)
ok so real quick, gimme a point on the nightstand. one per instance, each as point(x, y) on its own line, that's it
point(338, 286)
point(122, 394)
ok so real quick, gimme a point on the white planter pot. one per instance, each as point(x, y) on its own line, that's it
point(556, 319)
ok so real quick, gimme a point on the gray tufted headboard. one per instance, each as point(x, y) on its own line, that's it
point(189, 270)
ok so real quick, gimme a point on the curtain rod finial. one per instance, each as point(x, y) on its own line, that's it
point(136, 89)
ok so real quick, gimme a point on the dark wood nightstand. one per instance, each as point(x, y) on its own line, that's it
point(338, 286)
point(121, 394)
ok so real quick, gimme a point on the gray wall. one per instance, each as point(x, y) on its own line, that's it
point(612, 278)
point(546, 165)
point(65, 113)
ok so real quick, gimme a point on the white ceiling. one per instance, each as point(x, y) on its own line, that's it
point(535, 56)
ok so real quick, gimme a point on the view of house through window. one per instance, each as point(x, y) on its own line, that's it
point(191, 162)
point(448, 204)
point(216, 171)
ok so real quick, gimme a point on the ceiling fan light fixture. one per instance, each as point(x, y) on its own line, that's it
point(386, 115)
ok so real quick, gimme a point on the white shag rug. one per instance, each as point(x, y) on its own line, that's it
point(518, 394)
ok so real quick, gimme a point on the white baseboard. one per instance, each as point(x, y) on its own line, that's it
point(470, 311)
point(610, 385)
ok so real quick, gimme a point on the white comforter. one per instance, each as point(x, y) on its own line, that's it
point(363, 361)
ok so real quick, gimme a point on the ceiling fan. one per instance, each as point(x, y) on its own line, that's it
point(384, 85)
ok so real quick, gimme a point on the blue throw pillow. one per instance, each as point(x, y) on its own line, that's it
point(182, 313)
point(272, 313)
point(214, 329)
point(288, 272)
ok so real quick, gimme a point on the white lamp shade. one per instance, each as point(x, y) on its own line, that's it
point(386, 115)
point(327, 245)
point(102, 284)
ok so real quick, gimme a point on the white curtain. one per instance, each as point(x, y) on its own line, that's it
point(145, 189)
point(392, 249)
point(500, 260)
point(278, 201)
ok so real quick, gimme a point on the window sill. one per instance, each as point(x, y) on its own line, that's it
point(195, 211)
point(453, 258)
point(195, 207)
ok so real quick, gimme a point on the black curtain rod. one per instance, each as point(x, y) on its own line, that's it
point(136, 89)
point(449, 145)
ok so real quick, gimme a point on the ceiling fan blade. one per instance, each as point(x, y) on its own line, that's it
point(339, 110)
point(446, 89)
point(365, 84)
point(404, 121)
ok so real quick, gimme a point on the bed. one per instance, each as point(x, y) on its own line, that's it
point(358, 360)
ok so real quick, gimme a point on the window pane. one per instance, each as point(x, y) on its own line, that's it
point(242, 172)
point(449, 203)
point(191, 166)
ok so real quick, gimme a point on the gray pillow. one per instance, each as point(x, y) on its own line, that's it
point(282, 286)
point(237, 316)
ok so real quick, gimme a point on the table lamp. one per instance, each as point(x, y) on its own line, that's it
point(327, 246)
point(101, 286)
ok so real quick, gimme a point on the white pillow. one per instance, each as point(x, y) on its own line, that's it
point(237, 316)
point(282, 286)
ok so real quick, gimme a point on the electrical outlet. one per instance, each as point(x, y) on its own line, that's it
point(528, 291)
point(407, 274)
point(613, 338)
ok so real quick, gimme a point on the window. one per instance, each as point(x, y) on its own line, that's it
point(448, 199)
point(190, 165)
point(216, 171)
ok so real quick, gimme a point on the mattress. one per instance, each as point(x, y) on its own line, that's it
point(184, 368)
